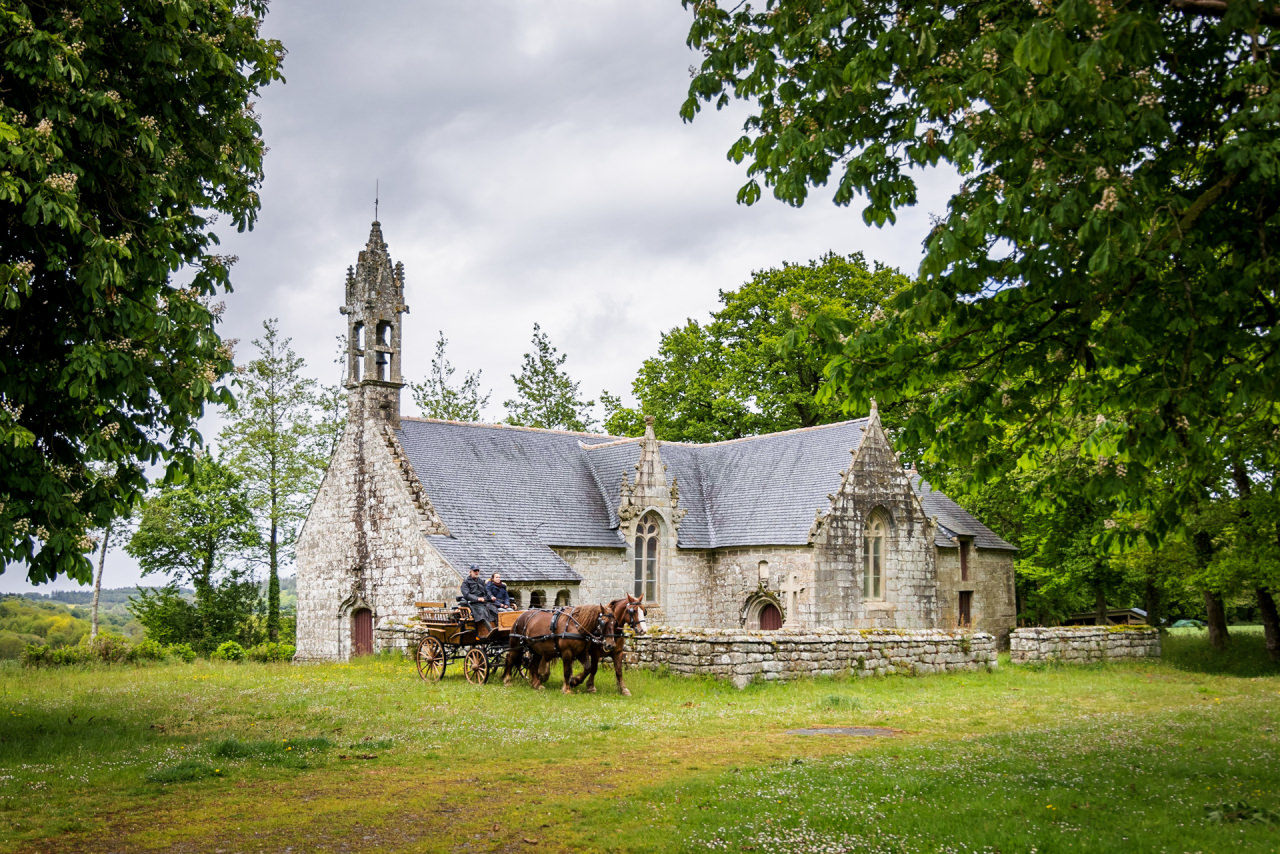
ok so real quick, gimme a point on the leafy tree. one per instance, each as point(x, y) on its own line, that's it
point(546, 396)
point(198, 532)
point(1110, 253)
point(753, 368)
point(273, 446)
point(331, 401)
point(437, 397)
point(125, 129)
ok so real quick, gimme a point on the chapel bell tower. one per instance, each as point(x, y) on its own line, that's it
point(375, 301)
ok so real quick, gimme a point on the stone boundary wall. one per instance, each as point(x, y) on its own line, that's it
point(742, 656)
point(1082, 644)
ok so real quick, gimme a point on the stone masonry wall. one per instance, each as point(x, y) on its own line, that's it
point(743, 657)
point(1081, 644)
point(875, 481)
point(364, 544)
point(994, 609)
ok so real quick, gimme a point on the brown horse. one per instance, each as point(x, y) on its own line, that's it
point(626, 613)
point(570, 634)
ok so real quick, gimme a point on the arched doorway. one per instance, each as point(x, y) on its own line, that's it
point(361, 632)
point(770, 617)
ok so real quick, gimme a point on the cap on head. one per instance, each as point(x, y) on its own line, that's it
point(475, 568)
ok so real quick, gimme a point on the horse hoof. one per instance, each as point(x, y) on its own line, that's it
point(626, 693)
point(591, 690)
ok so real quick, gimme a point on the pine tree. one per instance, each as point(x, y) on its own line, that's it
point(274, 445)
point(437, 398)
point(547, 397)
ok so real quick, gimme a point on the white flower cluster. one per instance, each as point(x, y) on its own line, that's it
point(1109, 200)
point(14, 410)
point(113, 96)
point(150, 123)
point(44, 129)
point(1256, 90)
point(64, 182)
point(109, 430)
point(1148, 100)
point(1037, 165)
point(991, 59)
point(121, 239)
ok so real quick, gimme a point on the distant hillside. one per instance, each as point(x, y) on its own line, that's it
point(121, 595)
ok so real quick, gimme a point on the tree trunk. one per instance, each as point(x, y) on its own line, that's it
point(1270, 622)
point(1215, 612)
point(273, 589)
point(1151, 600)
point(97, 579)
point(1216, 616)
point(1100, 607)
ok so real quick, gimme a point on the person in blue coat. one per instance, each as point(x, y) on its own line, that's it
point(498, 591)
point(477, 598)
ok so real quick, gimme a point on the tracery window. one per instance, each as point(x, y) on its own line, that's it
point(873, 554)
point(646, 558)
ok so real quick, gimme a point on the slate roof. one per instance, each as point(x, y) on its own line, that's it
point(509, 493)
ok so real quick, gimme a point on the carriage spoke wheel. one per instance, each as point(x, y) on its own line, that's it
point(476, 666)
point(430, 659)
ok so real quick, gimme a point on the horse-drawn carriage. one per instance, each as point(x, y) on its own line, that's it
point(450, 634)
point(526, 641)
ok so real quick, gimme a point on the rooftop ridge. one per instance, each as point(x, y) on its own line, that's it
point(740, 439)
point(501, 426)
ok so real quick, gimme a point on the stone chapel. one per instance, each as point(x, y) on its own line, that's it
point(807, 528)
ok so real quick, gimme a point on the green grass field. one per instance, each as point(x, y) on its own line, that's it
point(365, 757)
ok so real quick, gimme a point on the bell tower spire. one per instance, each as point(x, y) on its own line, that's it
point(374, 303)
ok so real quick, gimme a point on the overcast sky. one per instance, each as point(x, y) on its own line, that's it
point(532, 167)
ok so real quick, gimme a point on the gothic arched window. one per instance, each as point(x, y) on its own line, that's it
point(647, 558)
point(873, 555)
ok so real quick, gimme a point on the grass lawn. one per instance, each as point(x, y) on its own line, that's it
point(365, 757)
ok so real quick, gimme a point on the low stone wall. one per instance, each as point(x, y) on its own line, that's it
point(1079, 644)
point(743, 656)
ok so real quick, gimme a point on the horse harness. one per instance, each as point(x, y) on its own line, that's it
point(556, 635)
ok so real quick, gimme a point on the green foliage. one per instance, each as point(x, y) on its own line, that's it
point(198, 532)
point(40, 622)
point(148, 650)
point(754, 368)
point(275, 445)
point(1110, 254)
point(181, 651)
point(125, 130)
point(228, 651)
point(269, 652)
point(546, 396)
point(437, 398)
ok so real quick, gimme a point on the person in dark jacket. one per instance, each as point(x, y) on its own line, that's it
point(477, 597)
point(498, 591)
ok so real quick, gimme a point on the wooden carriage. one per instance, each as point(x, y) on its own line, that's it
point(448, 634)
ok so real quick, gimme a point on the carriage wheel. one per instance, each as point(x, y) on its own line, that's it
point(476, 666)
point(431, 660)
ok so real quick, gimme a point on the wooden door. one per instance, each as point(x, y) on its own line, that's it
point(965, 617)
point(770, 617)
point(361, 632)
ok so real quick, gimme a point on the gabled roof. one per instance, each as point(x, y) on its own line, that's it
point(507, 494)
